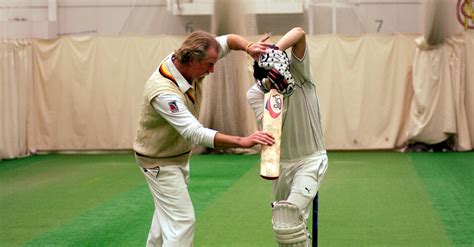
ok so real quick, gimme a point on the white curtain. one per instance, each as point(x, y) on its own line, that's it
point(15, 97)
point(84, 93)
point(469, 90)
point(441, 80)
point(88, 89)
point(438, 110)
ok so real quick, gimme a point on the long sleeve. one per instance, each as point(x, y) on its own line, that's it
point(255, 98)
point(172, 108)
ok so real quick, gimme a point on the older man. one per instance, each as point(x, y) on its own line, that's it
point(169, 127)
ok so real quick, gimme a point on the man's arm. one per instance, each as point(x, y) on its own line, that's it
point(237, 42)
point(228, 141)
point(296, 39)
point(173, 109)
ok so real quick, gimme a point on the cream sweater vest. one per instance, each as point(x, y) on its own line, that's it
point(155, 137)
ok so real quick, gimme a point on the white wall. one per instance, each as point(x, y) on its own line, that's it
point(29, 18)
point(25, 19)
point(365, 16)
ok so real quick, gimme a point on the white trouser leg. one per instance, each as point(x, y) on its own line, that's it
point(173, 219)
point(154, 236)
point(299, 181)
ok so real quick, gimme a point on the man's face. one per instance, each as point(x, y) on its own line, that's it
point(204, 67)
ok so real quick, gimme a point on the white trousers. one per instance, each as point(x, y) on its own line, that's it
point(300, 179)
point(173, 220)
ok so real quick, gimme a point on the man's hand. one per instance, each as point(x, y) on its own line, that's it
point(258, 137)
point(258, 48)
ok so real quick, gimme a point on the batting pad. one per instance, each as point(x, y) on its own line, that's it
point(288, 225)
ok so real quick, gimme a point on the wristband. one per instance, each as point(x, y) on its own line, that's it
point(247, 47)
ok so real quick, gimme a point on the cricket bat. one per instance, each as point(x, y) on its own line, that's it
point(271, 122)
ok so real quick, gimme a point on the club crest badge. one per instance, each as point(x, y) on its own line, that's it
point(465, 13)
point(173, 106)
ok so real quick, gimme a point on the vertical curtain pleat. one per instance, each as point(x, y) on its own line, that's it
point(15, 83)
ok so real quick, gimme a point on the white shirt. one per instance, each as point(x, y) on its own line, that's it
point(182, 120)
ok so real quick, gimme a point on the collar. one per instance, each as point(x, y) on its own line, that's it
point(179, 79)
point(169, 71)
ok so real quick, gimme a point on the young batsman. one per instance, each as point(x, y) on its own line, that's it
point(303, 159)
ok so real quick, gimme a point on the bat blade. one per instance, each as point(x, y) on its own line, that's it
point(272, 121)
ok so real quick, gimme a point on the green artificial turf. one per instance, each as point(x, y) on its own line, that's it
point(449, 178)
point(94, 200)
point(376, 199)
point(44, 194)
point(367, 199)
point(241, 216)
point(212, 175)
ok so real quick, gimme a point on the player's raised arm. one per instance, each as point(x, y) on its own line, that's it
point(296, 39)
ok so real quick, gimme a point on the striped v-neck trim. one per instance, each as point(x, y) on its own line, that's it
point(167, 74)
